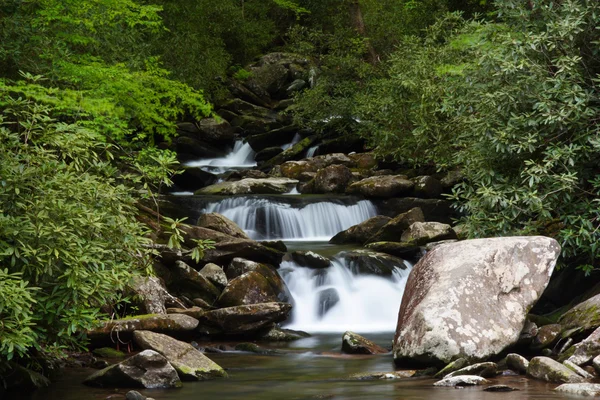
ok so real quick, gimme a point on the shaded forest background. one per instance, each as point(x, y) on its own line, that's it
point(505, 92)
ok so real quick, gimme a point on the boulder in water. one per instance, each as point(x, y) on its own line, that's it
point(367, 262)
point(362, 232)
point(276, 334)
point(328, 298)
point(353, 343)
point(485, 369)
point(462, 380)
point(580, 389)
point(517, 363)
point(440, 321)
point(392, 231)
point(250, 186)
point(246, 319)
point(421, 233)
point(548, 370)
point(249, 288)
point(220, 223)
point(332, 179)
point(583, 316)
point(310, 259)
point(382, 186)
point(398, 249)
point(190, 364)
point(147, 369)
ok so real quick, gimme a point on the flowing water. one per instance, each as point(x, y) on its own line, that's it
point(327, 303)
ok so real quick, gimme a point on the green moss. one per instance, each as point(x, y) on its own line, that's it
point(107, 352)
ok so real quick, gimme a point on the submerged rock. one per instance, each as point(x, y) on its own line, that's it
point(470, 299)
point(147, 369)
point(353, 343)
point(328, 298)
point(189, 362)
point(499, 388)
point(547, 369)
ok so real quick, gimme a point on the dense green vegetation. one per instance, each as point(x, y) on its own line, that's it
point(506, 92)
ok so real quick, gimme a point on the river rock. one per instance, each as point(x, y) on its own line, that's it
point(195, 312)
point(353, 343)
point(583, 316)
point(587, 349)
point(147, 369)
point(332, 179)
point(134, 395)
point(248, 288)
point(546, 336)
point(421, 233)
point(433, 209)
point(239, 266)
point(192, 178)
point(362, 232)
point(250, 186)
point(382, 186)
point(580, 389)
point(293, 153)
point(150, 293)
point(398, 249)
point(194, 148)
point(310, 259)
point(275, 137)
point(218, 132)
point(328, 298)
point(463, 380)
point(276, 334)
point(499, 388)
point(367, 262)
point(221, 223)
point(190, 364)
point(364, 160)
point(427, 187)
point(171, 324)
point(517, 363)
point(486, 370)
point(246, 319)
point(578, 370)
point(215, 275)
point(547, 369)
point(297, 169)
point(451, 367)
point(470, 299)
point(267, 154)
point(392, 231)
point(192, 284)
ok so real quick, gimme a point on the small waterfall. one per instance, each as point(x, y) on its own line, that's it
point(336, 300)
point(311, 151)
point(242, 156)
point(295, 140)
point(267, 219)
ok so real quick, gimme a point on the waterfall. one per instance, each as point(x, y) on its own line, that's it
point(336, 300)
point(311, 151)
point(295, 140)
point(242, 156)
point(267, 219)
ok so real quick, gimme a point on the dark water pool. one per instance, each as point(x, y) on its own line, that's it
point(312, 368)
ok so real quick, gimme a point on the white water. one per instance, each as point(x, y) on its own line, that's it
point(242, 156)
point(311, 151)
point(265, 219)
point(295, 140)
point(366, 304)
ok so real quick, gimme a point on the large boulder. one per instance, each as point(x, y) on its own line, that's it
point(362, 232)
point(276, 137)
point(548, 370)
point(298, 169)
point(246, 319)
point(470, 299)
point(193, 178)
point(150, 293)
point(427, 187)
point(433, 209)
point(215, 275)
point(382, 186)
point(239, 267)
point(190, 283)
point(250, 186)
point(332, 179)
point(368, 262)
point(587, 349)
point(310, 259)
point(249, 288)
point(191, 365)
point(580, 389)
point(220, 223)
point(420, 233)
point(147, 369)
point(210, 130)
point(584, 316)
point(353, 343)
point(392, 231)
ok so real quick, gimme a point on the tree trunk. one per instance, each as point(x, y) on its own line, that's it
point(359, 24)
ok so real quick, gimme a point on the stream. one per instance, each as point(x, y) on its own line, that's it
point(311, 368)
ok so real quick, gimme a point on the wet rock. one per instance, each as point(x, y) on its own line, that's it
point(190, 364)
point(364, 161)
point(433, 209)
point(249, 173)
point(451, 367)
point(267, 154)
point(193, 179)
point(353, 343)
point(242, 92)
point(147, 369)
point(583, 316)
point(596, 363)
point(134, 395)
point(190, 283)
point(214, 131)
point(293, 153)
point(546, 336)
point(427, 187)
point(362, 232)
point(250, 186)
point(195, 148)
point(254, 348)
point(332, 179)
point(328, 298)
point(398, 249)
point(486, 370)
point(586, 349)
point(248, 288)
point(547, 369)
point(463, 380)
point(382, 186)
point(220, 223)
point(239, 267)
point(150, 294)
point(298, 169)
point(578, 370)
point(171, 324)
point(367, 262)
point(215, 275)
point(383, 375)
point(580, 389)
point(420, 233)
point(275, 137)
point(392, 231)
point(246, 319)
point(499, 388)
point(282, 335)
point(310, 259)
point(440, 321)
point(517, 363)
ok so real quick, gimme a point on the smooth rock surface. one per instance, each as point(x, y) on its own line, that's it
point(353, 343)
point(548, 370)
point(147, 369)
point(250, 186)
point(382, 186)
point(246, 319)
point(220, 223)
point(517, 363)
point(583, 316)
point(486, 370)
point(580, 389)
point(172, 324)
point(421, 233)
point(189, 362)
point(462, 380)
point(587, 349)
point(470, 299)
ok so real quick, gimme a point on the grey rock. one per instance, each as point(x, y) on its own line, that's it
point(547, 369)
point(420, 233)
point(578, 370)
point(248, 288)
point(215, 275)
point(392, 231)
point(246, 319)
point(328, 298)
point(353, 343)
point(332, 179)
point(368, 262)
point(486, 370)
point(172, 324)
point(310, 259)
point(427, 187)
point(362, 232)
point(587, 349)
point(382, 186)
point(517, 363)
point(451, 367)
point(134, 395)
point(463, 380)
point(220, 223)
point(580, 389)
point(250, 186)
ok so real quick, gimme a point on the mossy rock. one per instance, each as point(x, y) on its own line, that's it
point(108, 352)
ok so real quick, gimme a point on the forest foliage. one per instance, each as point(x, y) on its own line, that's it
point(506, 92)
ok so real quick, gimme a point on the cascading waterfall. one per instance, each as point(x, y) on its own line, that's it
point(242, 156)
point(295, 140)
point(311, 151)
point(336, 300)
point(266, 219)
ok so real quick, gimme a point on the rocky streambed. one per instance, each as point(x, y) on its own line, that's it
point(311, 231)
